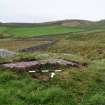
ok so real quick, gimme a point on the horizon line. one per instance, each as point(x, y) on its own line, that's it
point(56, 20)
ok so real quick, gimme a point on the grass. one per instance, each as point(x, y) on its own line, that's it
point(14, 91)
point(88, 45)
point(72, 86)
point(21, 32)
point(16, 44)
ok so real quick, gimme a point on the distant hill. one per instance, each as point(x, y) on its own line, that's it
point(101, 22)
point(74, 23)
point(69, 23)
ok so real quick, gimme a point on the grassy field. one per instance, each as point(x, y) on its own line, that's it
point(16, 44)
point(72, 86)
point(21, 32)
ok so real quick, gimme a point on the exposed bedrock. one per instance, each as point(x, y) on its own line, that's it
point(38, 66)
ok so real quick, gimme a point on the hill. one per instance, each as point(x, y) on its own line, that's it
point(72, 23)
point(79, 41)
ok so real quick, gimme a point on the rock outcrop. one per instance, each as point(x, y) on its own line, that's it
point(51, 64)
point(6, 53)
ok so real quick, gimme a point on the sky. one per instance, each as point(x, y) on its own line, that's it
point(51, 10)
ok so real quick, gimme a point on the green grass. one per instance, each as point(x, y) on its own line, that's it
point(15, 91)
point(72, 86)
point(37, 31)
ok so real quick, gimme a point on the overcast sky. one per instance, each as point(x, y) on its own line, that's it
point(48, 10)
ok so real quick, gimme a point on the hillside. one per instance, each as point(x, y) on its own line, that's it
point(49, 28)
point(72, 50)
point(72, 23)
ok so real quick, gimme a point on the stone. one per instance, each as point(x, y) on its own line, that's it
point(23, 66)
point(38, 66)
point(6, 53)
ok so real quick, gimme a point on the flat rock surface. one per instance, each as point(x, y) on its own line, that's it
point(33, 65)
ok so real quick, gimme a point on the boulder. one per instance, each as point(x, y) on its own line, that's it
point(38, 66)
point(6, 53)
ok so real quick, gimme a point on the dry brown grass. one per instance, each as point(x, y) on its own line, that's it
point(13, 45)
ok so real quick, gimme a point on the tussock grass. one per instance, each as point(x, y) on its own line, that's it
point(73, 86)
